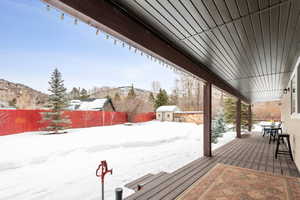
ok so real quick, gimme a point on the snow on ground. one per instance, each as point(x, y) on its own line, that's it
point(34, 166)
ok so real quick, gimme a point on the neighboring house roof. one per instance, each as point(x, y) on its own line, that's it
point(91, 104)
point(171, 108)
point(97, 104)
point(75, 101)
point(5, 106)
point(74, 104)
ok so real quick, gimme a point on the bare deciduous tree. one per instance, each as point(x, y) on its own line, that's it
point(155, 86)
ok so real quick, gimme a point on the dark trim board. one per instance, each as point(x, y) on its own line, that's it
point(207, 108)
point(116, 21)
point(238, 118)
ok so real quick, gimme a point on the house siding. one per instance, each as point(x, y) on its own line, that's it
point(189, 117)
point(291, 126)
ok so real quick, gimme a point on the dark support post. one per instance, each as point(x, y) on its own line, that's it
point(119, 192)
point(238, 118)
point(249, 118)
point(207, 119)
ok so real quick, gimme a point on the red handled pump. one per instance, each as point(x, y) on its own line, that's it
point(104, 171)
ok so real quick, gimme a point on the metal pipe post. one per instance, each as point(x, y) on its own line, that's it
point(119, 192)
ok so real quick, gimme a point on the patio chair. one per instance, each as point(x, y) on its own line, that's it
point(274, 132)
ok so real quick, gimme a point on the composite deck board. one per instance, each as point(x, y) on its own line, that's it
point(156, 176)
point(251, 151)
point(157, 186)
point(179, 186)
point(137, 181)
point(262, 157)
point(269, 159)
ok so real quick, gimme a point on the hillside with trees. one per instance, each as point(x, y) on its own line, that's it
point(20, 96)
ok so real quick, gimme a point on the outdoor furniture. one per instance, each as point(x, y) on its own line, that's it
point(273, 133)
point(266, 129)
point(289, 151)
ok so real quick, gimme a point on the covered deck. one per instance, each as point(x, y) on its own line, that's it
point(251, 151)
point(245, 48)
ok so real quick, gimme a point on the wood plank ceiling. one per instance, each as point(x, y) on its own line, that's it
point(252, 44)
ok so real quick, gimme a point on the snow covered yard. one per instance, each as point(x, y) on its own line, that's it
point(39, 167)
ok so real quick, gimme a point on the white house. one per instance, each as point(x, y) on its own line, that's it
point(166, 113)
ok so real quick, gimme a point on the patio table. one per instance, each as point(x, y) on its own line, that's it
point(266, 128)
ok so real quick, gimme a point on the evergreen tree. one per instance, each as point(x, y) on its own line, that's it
point(230, 112)
point(244, 116)
point(151, 98)
point(161, 99)
point(218, 128)
point(13, 103)
point(57, 102)
point(117, 97)
point(131, 93)
point(84, 94)
point(108, 97)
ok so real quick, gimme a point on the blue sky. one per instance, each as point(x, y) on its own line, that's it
point(34, 41)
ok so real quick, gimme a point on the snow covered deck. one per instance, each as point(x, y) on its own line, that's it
point(251, 151)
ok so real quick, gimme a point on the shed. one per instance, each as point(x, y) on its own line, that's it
point(166, 113)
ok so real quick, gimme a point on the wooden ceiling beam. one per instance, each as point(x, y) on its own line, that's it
point(105, 15)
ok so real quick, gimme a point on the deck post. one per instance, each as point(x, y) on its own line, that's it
point(238, 118)
point(249, 118)
point(207, 119)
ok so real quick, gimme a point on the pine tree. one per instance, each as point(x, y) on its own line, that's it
point(84, 95)
point(244, 116)
point(131, 93)
point(218, 128)
point(13, 103)
point(108, 97)
point(230, 112)
point(57, 102)
point(161, 99)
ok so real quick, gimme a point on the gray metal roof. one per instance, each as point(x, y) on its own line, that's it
point(252, 44)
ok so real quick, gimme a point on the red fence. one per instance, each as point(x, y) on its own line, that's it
point(18, 121)
point(144, 117)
